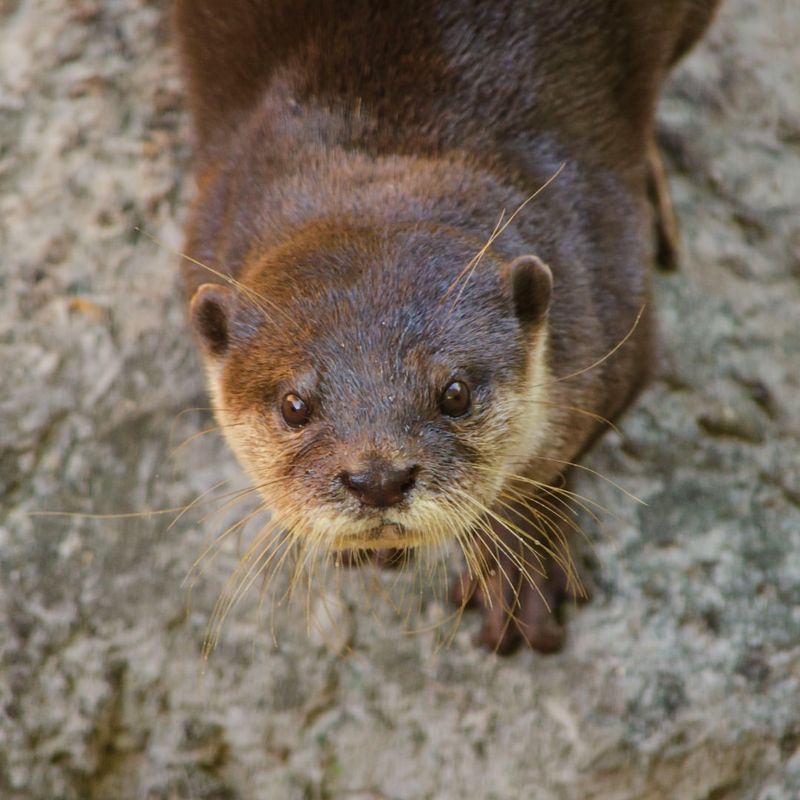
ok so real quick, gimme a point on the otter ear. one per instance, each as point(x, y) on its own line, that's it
point(531, 285)
point(211, 311)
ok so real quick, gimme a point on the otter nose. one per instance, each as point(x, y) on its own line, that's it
point(380, 484)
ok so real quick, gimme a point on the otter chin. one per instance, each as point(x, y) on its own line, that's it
point(418, 268)
point(390, 535)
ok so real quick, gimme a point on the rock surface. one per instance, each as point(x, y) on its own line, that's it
point(680, 680)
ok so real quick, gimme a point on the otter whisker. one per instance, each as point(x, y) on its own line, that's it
point(238, 495)
point(315, 621)
point(527, 540)
point(496, 233)
point(309, 569)
point(320, 555)
point(218, 541)
point(123, 515)
point(264, 304)
point(273, 538)
point(596, 474)
point(195, 502)
point(542, 502)
point(246, 564)
point(600, 360)
point(569, 500)
point(564, 496)
point(240, 579)
point(476, 563)
point(510, 610)
point(476, 575)
point(546, 505)
point(555, 532)
point(269, 532)
point(585, 412)
point(472, 264)
point(515, 530)
point(566, 562)
point(548, 495)
point(300, 557)
point(494, 547)
point(549, 489)
point(288, 539)
point(193, 437)
point(195, 409)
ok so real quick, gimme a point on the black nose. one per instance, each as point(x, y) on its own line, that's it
point(380, 484)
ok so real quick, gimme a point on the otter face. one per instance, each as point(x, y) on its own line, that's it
point(378, 387)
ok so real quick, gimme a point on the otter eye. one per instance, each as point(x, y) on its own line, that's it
point(294, 410)
point(455, 399)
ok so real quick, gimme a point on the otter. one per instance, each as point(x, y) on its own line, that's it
point(419, 265)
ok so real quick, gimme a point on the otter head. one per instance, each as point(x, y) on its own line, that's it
point(378, 386)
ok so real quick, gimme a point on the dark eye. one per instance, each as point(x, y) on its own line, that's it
point(455, 399)
point(294, 410)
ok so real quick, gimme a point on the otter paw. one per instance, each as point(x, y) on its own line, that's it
point(520, 609)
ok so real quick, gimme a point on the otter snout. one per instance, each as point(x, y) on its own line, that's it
point(380, 483)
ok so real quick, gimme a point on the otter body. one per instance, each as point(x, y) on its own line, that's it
point(404, 346)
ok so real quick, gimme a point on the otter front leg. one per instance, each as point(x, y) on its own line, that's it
point(527, 573)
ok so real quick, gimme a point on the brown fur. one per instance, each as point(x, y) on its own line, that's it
point(352, 157)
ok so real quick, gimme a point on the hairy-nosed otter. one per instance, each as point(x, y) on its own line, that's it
point(401, 348)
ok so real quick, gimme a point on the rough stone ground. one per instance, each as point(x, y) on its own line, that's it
point(680, 680)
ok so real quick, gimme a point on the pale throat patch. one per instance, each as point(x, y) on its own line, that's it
point(531, 428)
